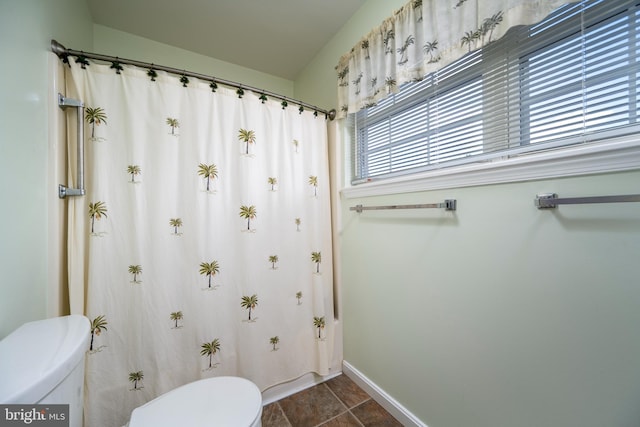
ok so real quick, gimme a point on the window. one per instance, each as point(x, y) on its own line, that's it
point(571, 79)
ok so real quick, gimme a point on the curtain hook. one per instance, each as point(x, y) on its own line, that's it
point(152, 73)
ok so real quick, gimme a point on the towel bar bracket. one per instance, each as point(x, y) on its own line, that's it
point(64, 191)
point(542, 201)
point(64, 102)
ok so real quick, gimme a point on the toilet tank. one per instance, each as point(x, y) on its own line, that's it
point(42, 362)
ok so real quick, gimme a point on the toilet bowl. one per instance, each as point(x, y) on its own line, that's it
point(219, 401)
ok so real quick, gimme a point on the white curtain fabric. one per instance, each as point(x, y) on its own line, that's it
point(207, 232)
point(423, 37)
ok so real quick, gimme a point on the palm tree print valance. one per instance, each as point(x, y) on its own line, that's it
point(422, 37)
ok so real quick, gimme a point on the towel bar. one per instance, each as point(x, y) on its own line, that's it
point(551, 200)
point(449, 205)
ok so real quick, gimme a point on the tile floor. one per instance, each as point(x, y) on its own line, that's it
point(335, 403)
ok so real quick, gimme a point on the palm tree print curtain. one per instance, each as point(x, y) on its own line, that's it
point(206, 225)
point(422, 37)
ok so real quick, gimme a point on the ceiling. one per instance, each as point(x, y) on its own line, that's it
point(277, 37)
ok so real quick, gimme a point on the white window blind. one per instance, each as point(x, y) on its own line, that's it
point(570, 79)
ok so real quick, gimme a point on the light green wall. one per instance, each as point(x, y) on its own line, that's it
point(26, 30)
point(108, 41)
point(498, 315)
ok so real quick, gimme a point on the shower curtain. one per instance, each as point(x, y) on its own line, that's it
point(203, 241)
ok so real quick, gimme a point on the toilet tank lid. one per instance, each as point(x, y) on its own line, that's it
point(37, 356)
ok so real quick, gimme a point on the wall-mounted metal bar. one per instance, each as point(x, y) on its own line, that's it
point(449, 205)
point(64, 191)
point(551, 200)
point(64, 53)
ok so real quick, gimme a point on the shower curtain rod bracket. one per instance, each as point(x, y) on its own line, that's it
point(59, 50)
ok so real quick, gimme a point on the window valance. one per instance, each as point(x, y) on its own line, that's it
point(422, 37)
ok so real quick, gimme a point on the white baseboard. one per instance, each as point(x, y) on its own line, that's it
point(392, 406)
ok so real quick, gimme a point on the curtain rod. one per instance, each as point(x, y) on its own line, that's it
point(64, 53)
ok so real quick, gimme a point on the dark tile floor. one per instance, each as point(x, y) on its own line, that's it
point(335, 403)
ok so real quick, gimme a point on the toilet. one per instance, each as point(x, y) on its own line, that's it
point(42, 362)
point(219, 401)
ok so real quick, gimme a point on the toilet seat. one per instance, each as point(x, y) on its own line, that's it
point(219, 401)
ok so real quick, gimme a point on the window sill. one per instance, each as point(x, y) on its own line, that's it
point(614, 155)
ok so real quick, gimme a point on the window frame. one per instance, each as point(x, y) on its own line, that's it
point(611, 152)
